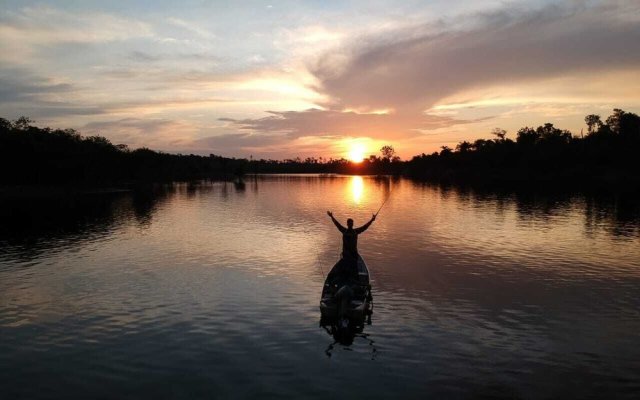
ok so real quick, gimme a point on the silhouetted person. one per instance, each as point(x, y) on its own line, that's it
point(345, 273)
point(350, 236)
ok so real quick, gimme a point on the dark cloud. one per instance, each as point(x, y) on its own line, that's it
point(141, 56)
point(315, 122)
point(411, 70)
point(17, 85)
point(275, 146)
point(241, 140)
point(23, 93)
point(52, 110)
point(137, 125)
point(156, 133)
point(146, 57)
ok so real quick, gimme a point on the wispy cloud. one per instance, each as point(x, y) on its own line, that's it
point(31, 27)
point(191, 27)
point(23, 93)
point(316, 122)
point(17, 85)
point(139, 132)
point(240, 141)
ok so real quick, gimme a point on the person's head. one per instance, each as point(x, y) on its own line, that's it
point(350, 223)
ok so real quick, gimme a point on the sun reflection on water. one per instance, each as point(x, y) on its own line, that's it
point(357, 188)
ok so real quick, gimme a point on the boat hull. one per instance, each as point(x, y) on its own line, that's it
point(360, 304)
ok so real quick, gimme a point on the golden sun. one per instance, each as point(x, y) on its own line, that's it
point(356, 153)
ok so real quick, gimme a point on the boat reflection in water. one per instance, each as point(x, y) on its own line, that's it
point(345, 308)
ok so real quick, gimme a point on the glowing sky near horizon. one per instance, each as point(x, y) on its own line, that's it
point(315, 78)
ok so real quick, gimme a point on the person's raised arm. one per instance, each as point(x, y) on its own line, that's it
point(365, 226)
point(336, 223)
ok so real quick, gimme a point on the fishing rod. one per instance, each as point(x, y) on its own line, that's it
point(318, 260)
point(317, 251)
point(383, 203)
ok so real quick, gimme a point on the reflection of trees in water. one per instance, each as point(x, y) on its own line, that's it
point(254, 183)
point(146, 200)
point(225, 191)
point(239, 186)
point(530, 205)
point(621, 211)
point(385, 184)
point(192, 188)
point(32, 225)
point(616, 213)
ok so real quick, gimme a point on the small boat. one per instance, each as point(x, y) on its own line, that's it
point(361, 303)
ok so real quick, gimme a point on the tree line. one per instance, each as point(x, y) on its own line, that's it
point(385, 164)
point(608, 153)
point(33, 155)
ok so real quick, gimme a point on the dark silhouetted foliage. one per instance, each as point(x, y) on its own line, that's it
point(608, 154)
point(32, 155)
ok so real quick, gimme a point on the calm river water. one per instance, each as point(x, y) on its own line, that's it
point(211, 290)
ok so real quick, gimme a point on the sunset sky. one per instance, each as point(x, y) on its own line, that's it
point(280, 79)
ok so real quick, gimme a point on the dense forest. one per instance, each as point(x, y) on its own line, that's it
point(605, 155)
point(32, 155)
